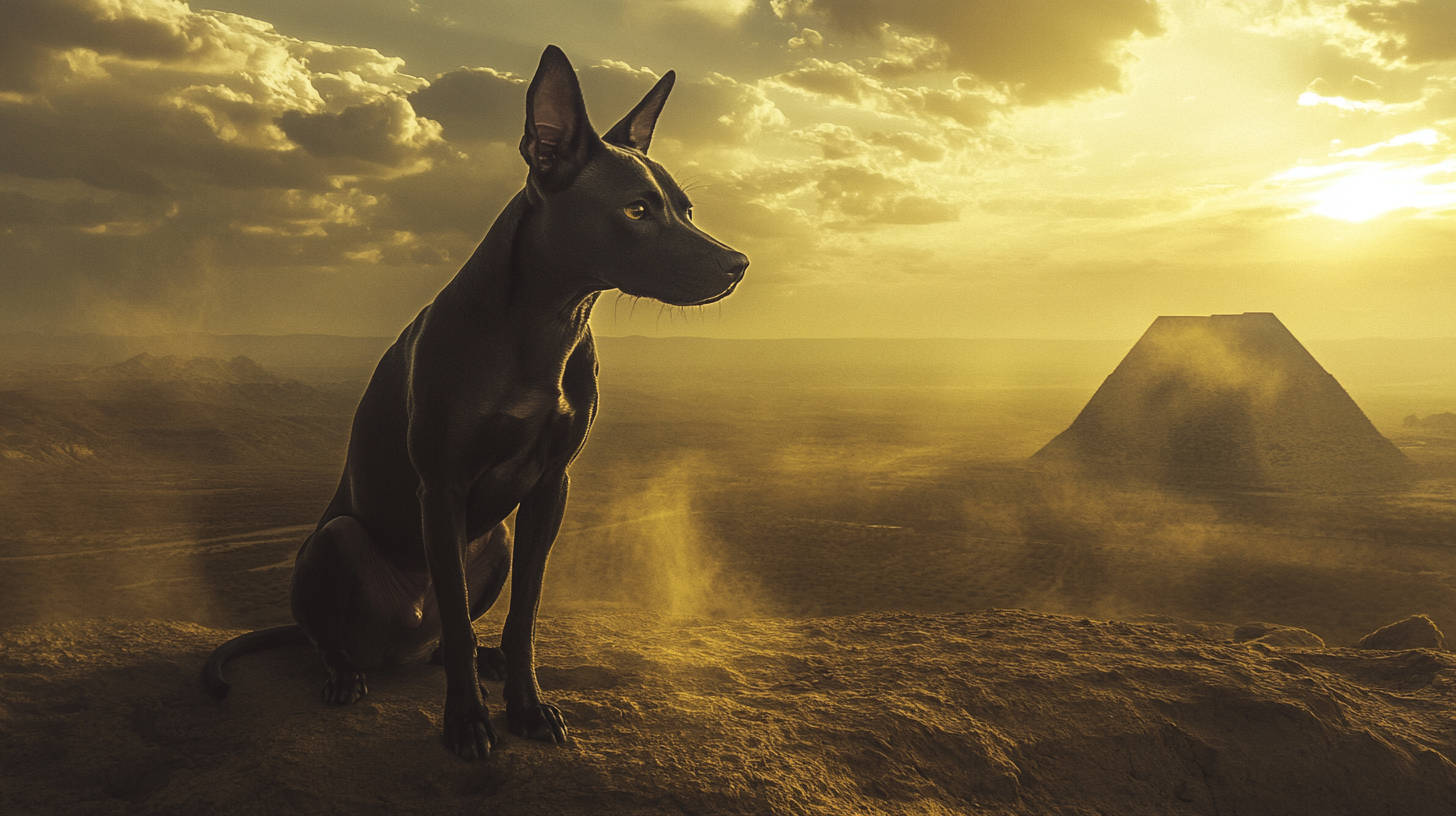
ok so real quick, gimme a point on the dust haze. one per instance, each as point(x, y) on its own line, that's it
point(724, 479)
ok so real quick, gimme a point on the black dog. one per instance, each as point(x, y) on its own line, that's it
point(479, 407)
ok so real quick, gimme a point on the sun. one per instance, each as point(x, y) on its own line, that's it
point(1358, 186)
point(1371, 190)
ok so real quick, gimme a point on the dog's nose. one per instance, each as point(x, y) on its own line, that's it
point(734, 263)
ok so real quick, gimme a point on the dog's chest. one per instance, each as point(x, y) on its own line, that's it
point(532, 432)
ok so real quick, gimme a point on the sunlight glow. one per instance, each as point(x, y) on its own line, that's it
point(1310, 98)
point(1426, 138)
point(1373, 189)
point(1362, 190)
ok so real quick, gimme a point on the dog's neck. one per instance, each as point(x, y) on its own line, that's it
point(511, 291)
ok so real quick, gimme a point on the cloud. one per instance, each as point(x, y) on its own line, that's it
point(722, 12)
point(163, 161)
point(1089, 206)
point(146, 147)
point(842, 83)
point(839, 142)
point(743, 111)
point(1356, 89)
point(385, 133)
point(1425, 137)
point(858, 183)
point(472, 104)
point(908, 55)
point(715, 110)
point(867, 197)
point(1410, 31)
point(211, 105)
point(1412, 173)
point(484, 104)
point(1387, 33)
point(1356, 94)
point(808, 40)
point(34, 34)
point(1037, 51)
point(612, 88)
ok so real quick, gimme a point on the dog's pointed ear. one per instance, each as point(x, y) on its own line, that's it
point(559, 139)
point(635, 129)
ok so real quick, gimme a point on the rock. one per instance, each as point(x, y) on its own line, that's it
point(1415, 632)
point(1203, 629)
point(1274, 634)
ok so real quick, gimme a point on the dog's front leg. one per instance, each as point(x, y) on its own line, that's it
point(537, 523)
point(468, 731)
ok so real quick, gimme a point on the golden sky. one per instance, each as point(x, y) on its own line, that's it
point(944, 168)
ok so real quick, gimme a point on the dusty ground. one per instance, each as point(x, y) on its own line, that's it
point(999, 712)
point(764, 600)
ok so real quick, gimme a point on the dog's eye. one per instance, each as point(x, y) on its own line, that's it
point(636, 211)
point(689, 213)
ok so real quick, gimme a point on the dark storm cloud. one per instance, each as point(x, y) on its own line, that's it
point(17, 208)
point(1415, 31)
point(374, 133)
point(33, 33)
point(474, 104)
point(1037, 50)
point(113, 139)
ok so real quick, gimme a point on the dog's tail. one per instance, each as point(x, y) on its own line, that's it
point(245, 644)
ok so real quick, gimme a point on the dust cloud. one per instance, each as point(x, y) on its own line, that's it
point(722, 480)
point(647, 549)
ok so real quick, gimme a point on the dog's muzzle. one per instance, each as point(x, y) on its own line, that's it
point(733, 264)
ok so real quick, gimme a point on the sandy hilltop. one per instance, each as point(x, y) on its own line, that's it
point(998, 712)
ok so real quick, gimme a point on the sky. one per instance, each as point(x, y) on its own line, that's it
point(945, 168)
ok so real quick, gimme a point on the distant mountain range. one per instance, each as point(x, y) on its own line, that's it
point(150, 411)
point(1358, 364)
point(151, 368)
point(330, 357)
point(19, 349)
point(300, 356)
point(51, 377)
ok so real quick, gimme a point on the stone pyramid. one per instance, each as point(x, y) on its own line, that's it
point(1231, 399)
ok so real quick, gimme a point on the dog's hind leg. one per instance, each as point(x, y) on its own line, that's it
point(332, 604)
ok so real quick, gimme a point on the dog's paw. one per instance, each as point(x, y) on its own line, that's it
point(344, 687)
point(542, 721)
point(490, 662)
point(469, 734)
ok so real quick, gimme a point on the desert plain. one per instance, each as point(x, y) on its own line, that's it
point(794, 577)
